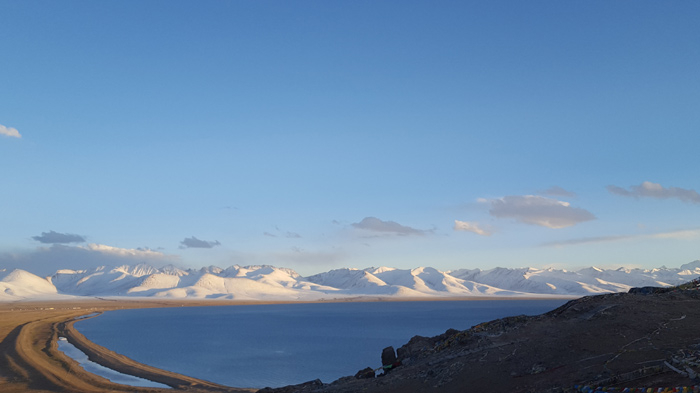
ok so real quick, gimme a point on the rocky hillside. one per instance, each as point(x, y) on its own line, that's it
point(625, 340)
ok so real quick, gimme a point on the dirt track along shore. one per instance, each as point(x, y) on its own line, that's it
point(30, 360)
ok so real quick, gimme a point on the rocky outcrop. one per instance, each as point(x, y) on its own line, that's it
point(621, 340)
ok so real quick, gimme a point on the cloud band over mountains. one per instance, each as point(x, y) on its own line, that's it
point(46, 260)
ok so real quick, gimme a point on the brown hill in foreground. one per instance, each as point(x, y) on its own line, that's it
point(643, 339)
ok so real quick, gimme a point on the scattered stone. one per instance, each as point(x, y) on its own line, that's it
point(537, 368)
point(365, 373)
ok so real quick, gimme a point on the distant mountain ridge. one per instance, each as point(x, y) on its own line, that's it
point(266, 282)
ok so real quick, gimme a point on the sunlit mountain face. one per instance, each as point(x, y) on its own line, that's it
point(273, 283)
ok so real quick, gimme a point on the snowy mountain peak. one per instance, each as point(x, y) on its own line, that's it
point(22, 284)
point(379, 269)
point(211, 269)
point(692, 266)
point(265, 282)
point(346, 279)
point(139, 270)
point(173, 270)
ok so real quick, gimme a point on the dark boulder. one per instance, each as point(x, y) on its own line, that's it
point(388, 356)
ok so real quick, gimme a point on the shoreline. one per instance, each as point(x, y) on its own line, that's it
point(32, 362)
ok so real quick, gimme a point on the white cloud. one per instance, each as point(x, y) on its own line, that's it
point(123, 252)
point(654, 190)
point(467, 226)
point(537, 210)
point(388, 227)
point(9, 131)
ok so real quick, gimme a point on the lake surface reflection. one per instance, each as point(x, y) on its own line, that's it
point(276, 345)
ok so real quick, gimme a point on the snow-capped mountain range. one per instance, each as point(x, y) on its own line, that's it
point(273, 283)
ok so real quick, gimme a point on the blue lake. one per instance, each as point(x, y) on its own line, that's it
point(276, 345)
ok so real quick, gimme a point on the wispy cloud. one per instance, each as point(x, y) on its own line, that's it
point(300, 256)
point(193, 242)
point(52, 237)
point(45, 261)
point(474, 227)
point(683, 234)
point(686, 234)
point(654, 190)
point(587, 240)
point(293, 256)
point(537, 210)
point(374, 224)
point(9, 131)
point(558, 192)
point(149, 249)
point(281, 233)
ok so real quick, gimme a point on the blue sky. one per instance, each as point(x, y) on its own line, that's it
point(316, 135)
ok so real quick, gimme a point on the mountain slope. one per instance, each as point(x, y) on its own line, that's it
point(273, 283)
point(20, 284)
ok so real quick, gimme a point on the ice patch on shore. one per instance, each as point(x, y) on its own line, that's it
point(104, 372)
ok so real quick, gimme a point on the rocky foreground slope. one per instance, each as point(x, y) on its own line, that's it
point(648, 338)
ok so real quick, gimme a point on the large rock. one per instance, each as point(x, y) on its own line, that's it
point(388, 356)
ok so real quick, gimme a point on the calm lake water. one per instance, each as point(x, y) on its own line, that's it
point(276, 345)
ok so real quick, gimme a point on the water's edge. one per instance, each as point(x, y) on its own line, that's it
point(115, 376)
point(246, 346)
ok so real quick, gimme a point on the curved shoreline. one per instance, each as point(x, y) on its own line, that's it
point(30, 360)
point(125, 365)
